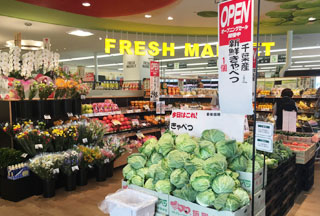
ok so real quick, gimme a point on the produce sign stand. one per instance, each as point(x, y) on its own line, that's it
point(173, 206)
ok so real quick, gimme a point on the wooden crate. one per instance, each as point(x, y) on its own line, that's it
point(302, 157)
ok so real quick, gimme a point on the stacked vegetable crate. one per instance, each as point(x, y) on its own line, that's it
point(305, 176)
point(280, 191)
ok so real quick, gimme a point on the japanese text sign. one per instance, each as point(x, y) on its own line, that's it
point(235, 61)
point(264, 136)
point(154, 81)
point(194, 122)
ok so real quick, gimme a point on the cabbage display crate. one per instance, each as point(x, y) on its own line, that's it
point(173, 206)
point(259, 201)
point(245, 179)
point(262, 212)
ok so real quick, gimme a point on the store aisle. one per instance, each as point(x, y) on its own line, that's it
point(81, 202)
point(307, 203)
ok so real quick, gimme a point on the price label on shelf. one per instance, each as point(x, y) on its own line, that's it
point(24, 155)
point(56, 171)
point(146, 107)
point(91, 115)
point(84, 140)
point(106, 160)
point(90, 166)
point(38, 146)
point(83, 97)
point(70, 115)
point(135, 122)
point(137, 110)
point(74, 168)
point(171, 96)
point(47, 117)
point(201, 96)
point(118, 112)
point(139, 135)
point(129, 111)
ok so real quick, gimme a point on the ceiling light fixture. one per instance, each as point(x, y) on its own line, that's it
point(170, 18)
point(311, 19)
point(86, 4)
point(298, 69)
point(147, 16)
point(100, 38)
point(304, 62)
point(27, 44)
point(305, 56)
point(80, 33)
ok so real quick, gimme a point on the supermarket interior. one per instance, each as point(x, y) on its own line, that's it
point(172, 107)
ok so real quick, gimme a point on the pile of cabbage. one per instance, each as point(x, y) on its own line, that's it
point(200, 170)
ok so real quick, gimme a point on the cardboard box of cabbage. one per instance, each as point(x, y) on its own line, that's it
point(193, 175)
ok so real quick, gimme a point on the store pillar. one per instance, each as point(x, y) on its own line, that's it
point(136, 67)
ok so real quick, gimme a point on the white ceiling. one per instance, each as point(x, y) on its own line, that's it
point(72, 46)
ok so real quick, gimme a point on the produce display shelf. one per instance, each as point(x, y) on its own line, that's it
point(132, 132)
point(294, 97)
point(183, 96)
point(123, 111)
point(299, 111)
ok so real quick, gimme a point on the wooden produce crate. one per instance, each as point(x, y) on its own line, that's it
point(302, 157)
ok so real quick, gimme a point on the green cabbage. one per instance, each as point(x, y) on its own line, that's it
point(215, 165)
point(228, 148)
point(152, 170)
point(163, 186)
point(179, 177)
point(165, 144)
point(223, 184)
point(259, 159)
point(185, 143)
point(178, 193)
point(142, 172)
point(137, 160)
point(193, 164)
point(220, 201)
point(128, 172)
point(137, 180)
point(271, 163)
point(177, 159)
point(155, 158)
point(243, 196)
point(207, 149)
point(162, 171)
point(200, 181)
point(233, 203)
point(213, 135)
point(188, 193)
point(256, 166)
point(239, 164)
point(149, 163)
point(206, 198)
point(149, 184)
point(247, 149)
point(148, 147)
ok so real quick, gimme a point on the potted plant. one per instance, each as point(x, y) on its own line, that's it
point(46, 166)
point(85, 160)
point(69, 169)
point(100, 163)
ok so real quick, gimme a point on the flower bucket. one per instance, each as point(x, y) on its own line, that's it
point(37, 185)
point(82, 177)
point(49, 188)
point(110, 169)
point(70, 182)
point(101, 173)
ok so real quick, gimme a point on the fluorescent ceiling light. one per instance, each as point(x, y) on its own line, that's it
point(316, 68)
point(201, 63)
point(76, 59)
point(267, 68)
point(297, 69)
point(80, 33)
point(147, 16)
point(313, 65)
point(305, 62)
point(86, 4)
point(305, 56)
point(192, 69)
point(170, 18)
point(266, 64)
point(106, 65)
point(120, 69)
point(296, 66)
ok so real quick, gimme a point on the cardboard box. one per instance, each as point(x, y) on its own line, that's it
point(162, 206)
point(262, 212)
point(245, 179)
point(18, 173)
point(180, 207)
point(259, 201)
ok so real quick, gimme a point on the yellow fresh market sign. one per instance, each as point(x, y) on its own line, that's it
point(141, 48)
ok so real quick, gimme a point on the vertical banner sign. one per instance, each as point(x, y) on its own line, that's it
point(154, 81)
point(235, 56)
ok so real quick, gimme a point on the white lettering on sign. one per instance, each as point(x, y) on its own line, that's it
point(238, 12)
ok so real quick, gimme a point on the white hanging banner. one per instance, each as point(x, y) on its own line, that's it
point(154, 81)
point(235, 56)
point(194, 122)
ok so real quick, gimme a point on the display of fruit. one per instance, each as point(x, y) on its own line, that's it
point(86, 108)
point(130, 86)
point(309, 92)
point(106, 106)
point(303, 105)
point(142, 105)
point(115, 123)
point(264, 106)
point(155, 120)
point(264, 92)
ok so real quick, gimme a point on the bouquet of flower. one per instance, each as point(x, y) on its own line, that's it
point(85, 156)
point(46, 166)
point(11, 130)
point(116, 145)
point(61, 88)
point(58, 139)
point(33, 88)
point(72, 88)
point(45, 90)
point(98, 158)
point(71, 133)
point(19, 88)
point(70, 162)
point(84, 89)
point(34, 141)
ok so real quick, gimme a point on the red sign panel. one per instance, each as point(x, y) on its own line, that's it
point(235, 21)
point(154, 68)
point(89, 77)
